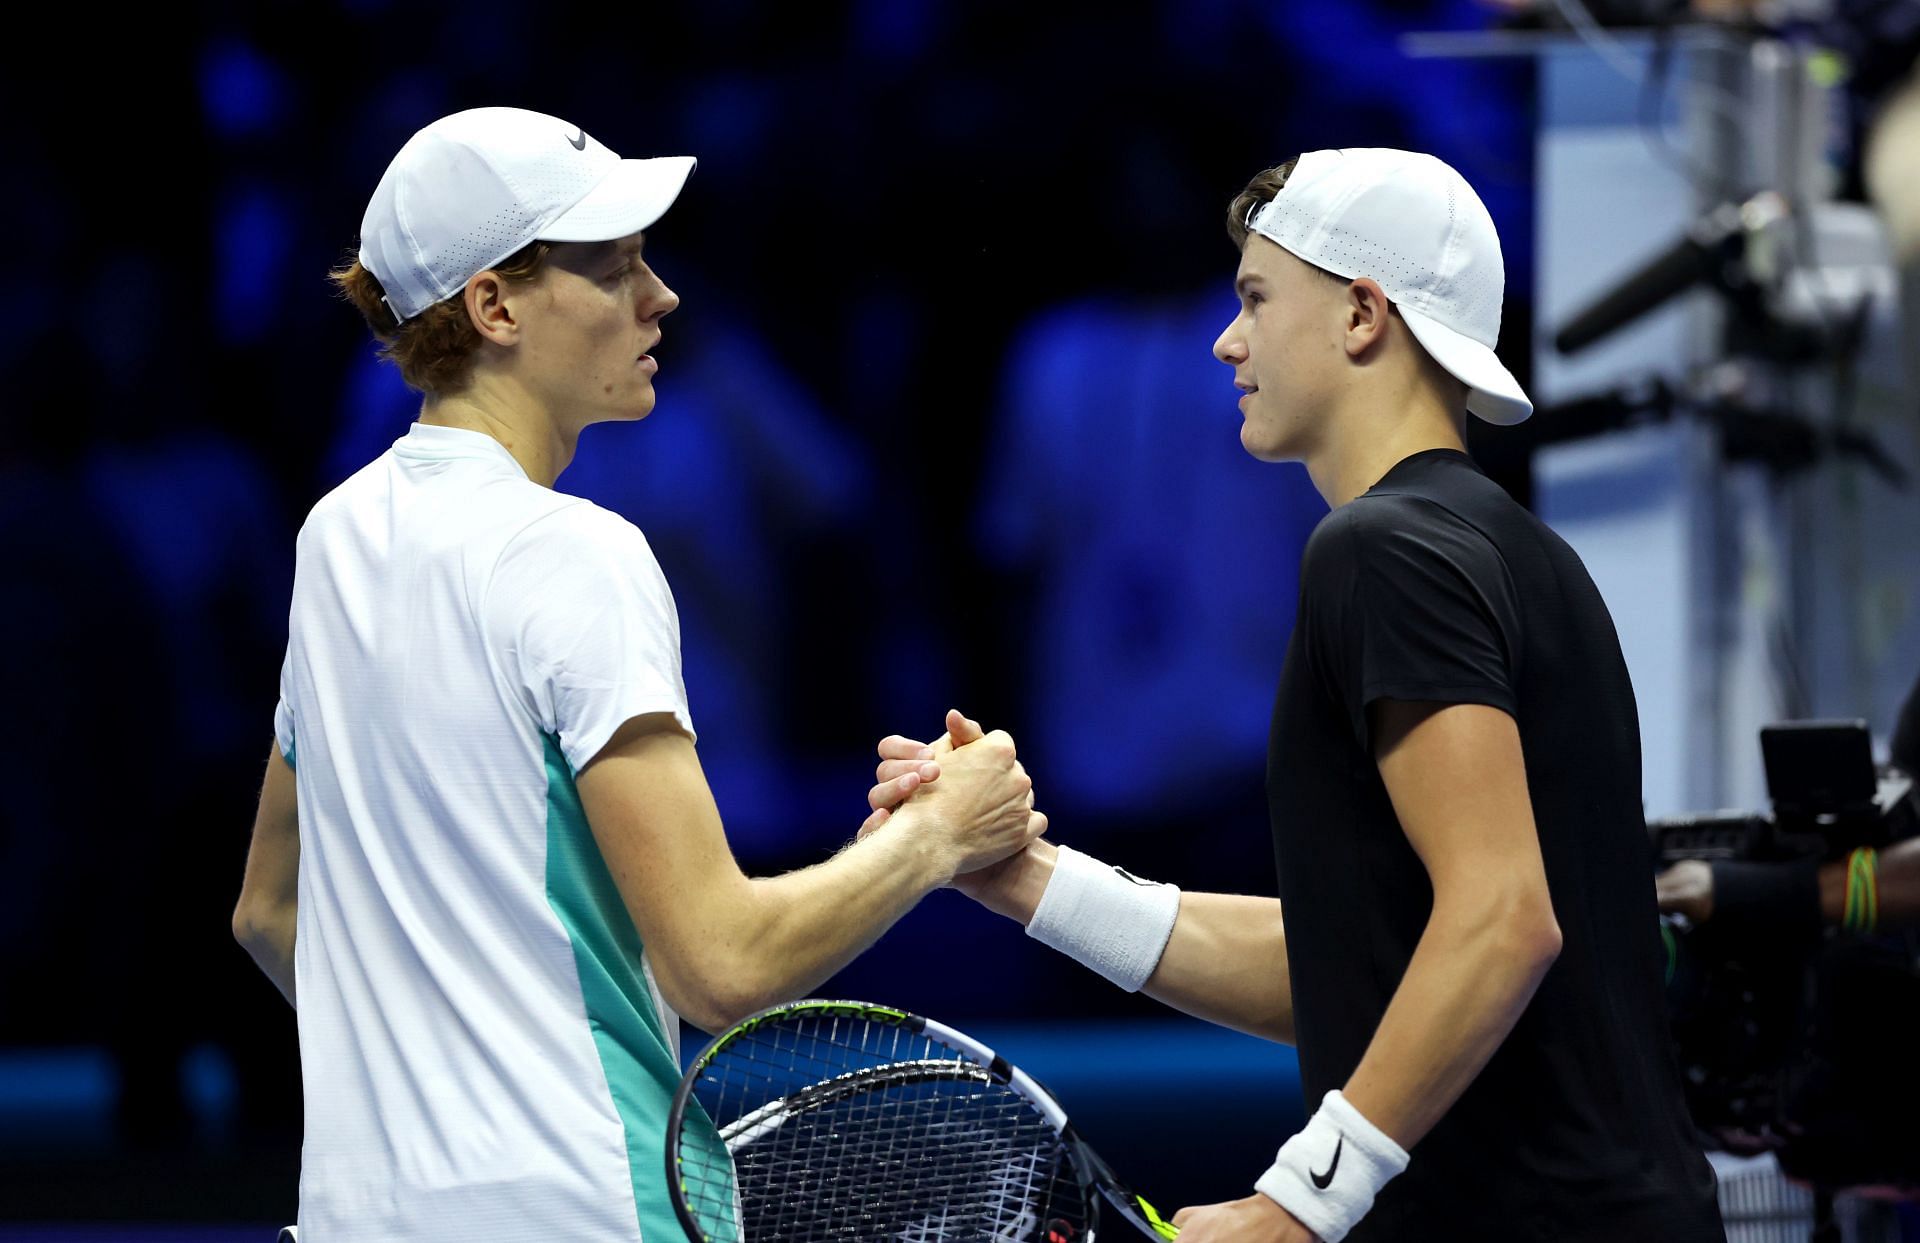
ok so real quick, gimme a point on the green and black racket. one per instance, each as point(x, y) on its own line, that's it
point(838, 1120)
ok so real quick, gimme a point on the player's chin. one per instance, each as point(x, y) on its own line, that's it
point(1261, 443)
point(636, 407)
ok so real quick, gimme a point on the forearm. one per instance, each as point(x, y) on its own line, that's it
point(722, 945)
point(265, 915)
point(1225, 961)
point(799, 928)
point(268, 936)
point(1470, 978)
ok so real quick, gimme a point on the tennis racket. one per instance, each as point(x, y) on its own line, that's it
point(838, 1120)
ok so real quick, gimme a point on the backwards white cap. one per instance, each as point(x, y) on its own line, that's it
point(471, 189)
point(1413, 224)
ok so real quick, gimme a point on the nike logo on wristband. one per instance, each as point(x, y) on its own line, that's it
point(579, 140)
point(1126, 875)
point(1323, 1181)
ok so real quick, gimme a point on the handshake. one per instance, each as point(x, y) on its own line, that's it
point(971, 800)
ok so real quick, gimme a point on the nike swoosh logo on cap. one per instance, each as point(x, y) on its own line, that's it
point(1323, 1181)
point(579, 140)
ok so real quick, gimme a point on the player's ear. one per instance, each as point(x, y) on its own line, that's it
point(1366, 310)
point(489, 308)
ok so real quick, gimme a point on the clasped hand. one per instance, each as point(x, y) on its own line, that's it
point(907, 765)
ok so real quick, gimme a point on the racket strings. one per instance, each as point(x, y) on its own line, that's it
point(828, 1127)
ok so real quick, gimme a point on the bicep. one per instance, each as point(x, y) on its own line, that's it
point(1414, 606)
point(273, 856)
point(1457, 778)
point(652, 815)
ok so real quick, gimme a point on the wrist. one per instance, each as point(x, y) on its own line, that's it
point(1105, 918)
point(1327, 1176)
point(1027, 884)
point(925, 845)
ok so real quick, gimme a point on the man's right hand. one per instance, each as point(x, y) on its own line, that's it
point(1010, 887)
point(981, 810)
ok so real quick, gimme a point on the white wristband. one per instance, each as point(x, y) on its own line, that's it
point(1105, 917)
point(1328, 1174)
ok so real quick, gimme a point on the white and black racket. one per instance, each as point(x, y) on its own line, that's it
point(839, 1120)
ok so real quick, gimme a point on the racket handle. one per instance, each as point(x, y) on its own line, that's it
point(1161, 1226)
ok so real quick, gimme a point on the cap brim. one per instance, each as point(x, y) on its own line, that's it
point(631, 197)
point(1493, 394)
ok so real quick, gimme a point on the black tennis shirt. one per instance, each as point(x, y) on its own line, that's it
point(1436, 586)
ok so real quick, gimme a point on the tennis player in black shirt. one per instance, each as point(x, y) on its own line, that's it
point(1465, 949)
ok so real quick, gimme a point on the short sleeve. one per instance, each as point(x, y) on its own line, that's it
point(283, 715)
point(1405, 600)
point(581, 622)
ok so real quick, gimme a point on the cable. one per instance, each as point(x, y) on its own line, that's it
point(1653, 94)
point(1723, 104)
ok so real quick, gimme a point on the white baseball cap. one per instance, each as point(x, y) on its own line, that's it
point(1413, 224)
point(472, 188)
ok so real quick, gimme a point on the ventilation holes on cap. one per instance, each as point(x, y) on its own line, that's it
point(1472, 298)
point(493, 239)
point(1358, 254)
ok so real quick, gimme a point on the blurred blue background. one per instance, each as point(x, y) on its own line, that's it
point(938, 425)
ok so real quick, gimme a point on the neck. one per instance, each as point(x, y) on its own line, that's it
point(527, 431)
point(1374, 432)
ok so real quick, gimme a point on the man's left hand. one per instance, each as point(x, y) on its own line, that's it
point(1255, 1219)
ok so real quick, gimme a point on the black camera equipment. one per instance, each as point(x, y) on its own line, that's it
point(1773, 1014)
point(1744, 251)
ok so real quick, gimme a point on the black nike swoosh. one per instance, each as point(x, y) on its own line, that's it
point(1323, 1180)
point(579, 140)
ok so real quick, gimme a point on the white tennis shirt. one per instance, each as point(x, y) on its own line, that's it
point(484, 1053)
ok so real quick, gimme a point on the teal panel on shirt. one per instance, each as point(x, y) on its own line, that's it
point(634, 1049)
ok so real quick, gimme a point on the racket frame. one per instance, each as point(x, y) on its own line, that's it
point(1089, 1167)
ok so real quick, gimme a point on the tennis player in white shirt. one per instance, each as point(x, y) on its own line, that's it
point(486, 865)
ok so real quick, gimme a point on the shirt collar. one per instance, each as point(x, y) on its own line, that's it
point(430, 440)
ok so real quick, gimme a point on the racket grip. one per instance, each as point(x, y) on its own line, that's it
point(1161, 1226)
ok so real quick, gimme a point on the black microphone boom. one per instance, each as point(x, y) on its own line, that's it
point(1696, 257)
